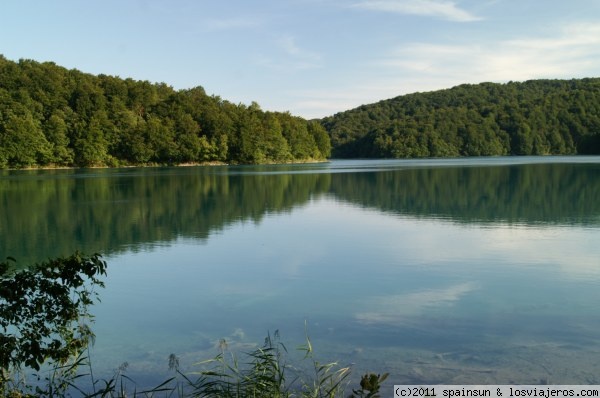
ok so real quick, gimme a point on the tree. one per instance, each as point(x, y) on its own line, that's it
point(301, 142)
point(534, 117)
point(42, 308)
point(88, 120)
point(23, 141)
point(91, 147)
point(250, 148)
point(160, 137)
point(188, 141)
point(55, 130)
point(321, 138)
point(274, 145)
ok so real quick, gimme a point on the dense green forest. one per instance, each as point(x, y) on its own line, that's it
point(52, 116)
point(538, 117)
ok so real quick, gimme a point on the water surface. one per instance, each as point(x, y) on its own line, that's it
point(451, 271)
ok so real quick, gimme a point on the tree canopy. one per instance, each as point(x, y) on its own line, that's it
point(538, 117)
point(52, 116)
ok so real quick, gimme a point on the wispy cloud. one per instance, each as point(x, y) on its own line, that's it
point(288, 44)
point(292, 57)
point(434, 8)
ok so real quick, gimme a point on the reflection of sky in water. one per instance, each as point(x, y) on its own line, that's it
point(394, 309)
point(356, 276)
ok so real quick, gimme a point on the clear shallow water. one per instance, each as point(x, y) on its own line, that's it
point(451, 271)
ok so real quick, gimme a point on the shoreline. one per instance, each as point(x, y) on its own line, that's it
point(186, 164)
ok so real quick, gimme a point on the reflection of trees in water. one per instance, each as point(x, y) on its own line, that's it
point(56, 213)
point(530, 194)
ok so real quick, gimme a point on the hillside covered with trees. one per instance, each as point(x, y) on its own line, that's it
point(52, 116)
point(537, 117)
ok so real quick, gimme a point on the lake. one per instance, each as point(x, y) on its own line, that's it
point(454, 271)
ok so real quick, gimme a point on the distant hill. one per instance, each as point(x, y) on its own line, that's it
point(51, 116)
point(537, 117)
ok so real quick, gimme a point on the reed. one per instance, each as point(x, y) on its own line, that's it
point(267, 371)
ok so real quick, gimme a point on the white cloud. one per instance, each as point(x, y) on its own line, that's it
point(434, 8)
point(293, 58)
point(574, 52)
point(288, 44)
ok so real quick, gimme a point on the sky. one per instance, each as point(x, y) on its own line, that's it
point(313, 58)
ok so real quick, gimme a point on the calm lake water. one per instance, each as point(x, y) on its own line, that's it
point(452, 271)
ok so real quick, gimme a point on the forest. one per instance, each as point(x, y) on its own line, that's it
point(51, 116)
point(54, 117)
point(537, 117)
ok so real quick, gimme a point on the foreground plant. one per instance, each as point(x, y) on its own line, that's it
point(262, 375)
point(370, 384)
point(44, 318)
point(265, 372)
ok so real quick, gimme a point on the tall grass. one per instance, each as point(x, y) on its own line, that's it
point(267, 371)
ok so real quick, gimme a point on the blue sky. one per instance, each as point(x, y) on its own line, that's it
point(310, 57)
